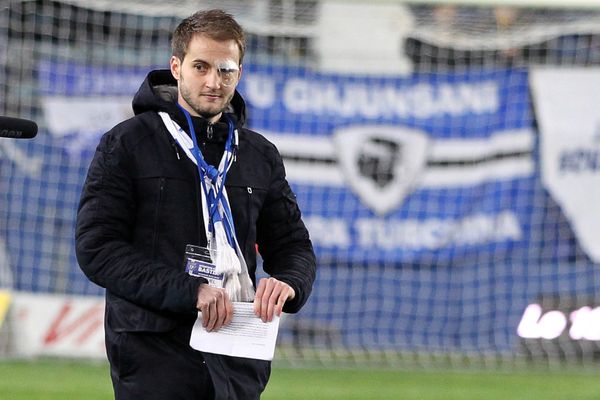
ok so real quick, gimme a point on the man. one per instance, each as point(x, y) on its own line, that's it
point(183, 172)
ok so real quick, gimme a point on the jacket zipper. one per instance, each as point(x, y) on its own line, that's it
point(209, 131)
point(249, 213)
point(157, 216)
point(199, 200)
point(199, 213)
point(176, 150)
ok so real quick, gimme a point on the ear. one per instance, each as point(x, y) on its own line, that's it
point(175, 64)
point(240, 73)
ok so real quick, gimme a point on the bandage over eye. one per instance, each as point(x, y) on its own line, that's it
point(229, 71)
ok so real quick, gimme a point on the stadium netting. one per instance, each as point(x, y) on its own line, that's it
point(412, 144)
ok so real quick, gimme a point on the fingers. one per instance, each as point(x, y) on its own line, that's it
point(271, 295)
point(228, 312)
point(215, 306)
point(209, 316)
point(217, 309)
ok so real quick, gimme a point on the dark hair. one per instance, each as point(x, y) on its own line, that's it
point(215, 24)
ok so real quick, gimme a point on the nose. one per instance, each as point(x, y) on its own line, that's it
point(213, 79)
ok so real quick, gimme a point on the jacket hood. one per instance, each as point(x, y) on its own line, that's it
point(158, 92)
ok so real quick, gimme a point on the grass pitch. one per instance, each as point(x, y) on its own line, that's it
point(63, 380)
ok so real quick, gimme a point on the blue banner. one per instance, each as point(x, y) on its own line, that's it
point(403, 170)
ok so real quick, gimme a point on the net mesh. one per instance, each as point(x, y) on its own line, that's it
point(411, 143)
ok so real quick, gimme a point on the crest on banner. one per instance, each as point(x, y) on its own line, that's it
point(381, 164)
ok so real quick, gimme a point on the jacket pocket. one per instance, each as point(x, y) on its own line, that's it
point(166, 212)
point(124, 316)
point(246, 203)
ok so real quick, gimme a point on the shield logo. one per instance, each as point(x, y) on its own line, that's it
point(381, 164)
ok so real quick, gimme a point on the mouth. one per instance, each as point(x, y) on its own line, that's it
point(211, 96)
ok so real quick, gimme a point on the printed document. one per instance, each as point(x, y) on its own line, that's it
point(245, 336)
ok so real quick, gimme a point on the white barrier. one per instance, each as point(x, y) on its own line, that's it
point(55, 325)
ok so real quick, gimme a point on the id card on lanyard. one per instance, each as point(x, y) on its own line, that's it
point(199, 263)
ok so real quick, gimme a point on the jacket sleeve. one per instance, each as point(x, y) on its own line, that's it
point(283, 239)
point(103, 237)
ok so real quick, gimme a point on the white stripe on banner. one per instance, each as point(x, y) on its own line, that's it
point(505, 142)
point(477, 174)
point(314, 160)
point(308, 173)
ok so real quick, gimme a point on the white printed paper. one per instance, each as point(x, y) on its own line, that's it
point(245, 336)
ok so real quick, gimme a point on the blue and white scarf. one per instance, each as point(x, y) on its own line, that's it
point(218, 221)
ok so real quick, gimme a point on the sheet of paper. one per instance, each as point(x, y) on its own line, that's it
point(245, 336)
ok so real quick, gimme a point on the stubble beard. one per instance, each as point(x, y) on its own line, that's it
point(195, 105)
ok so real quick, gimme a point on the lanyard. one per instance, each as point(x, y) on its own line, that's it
point(212, 181)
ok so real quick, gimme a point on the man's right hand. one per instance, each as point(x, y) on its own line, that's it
point(215, 306)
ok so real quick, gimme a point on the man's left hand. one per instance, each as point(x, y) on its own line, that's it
point(271, 294)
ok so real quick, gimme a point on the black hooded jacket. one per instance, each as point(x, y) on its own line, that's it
point(141, 205)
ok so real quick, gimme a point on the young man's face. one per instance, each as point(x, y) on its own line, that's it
point(207, 76)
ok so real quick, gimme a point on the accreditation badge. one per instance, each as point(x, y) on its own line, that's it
point(199, 262)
